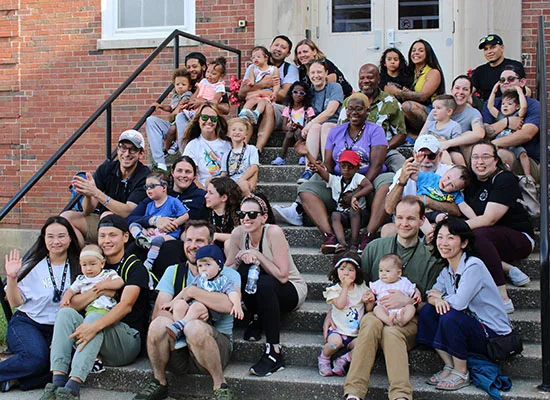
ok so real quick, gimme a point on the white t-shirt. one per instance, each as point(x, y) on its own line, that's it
point(208, 155)
point(410, 187)
point(347, 320)
point(335, 185)
point(83, 283)
point(37, 291)
point(236, 166)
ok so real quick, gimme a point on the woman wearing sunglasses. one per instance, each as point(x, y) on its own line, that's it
point(205, 141)
point(280, 288)
point(34, 287)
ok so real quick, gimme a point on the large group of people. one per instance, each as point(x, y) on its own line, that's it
point(440, 230)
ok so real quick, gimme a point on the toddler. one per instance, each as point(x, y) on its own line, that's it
point(513, 104)
point(242, 162)
point(295, 116)
point(144, 230)
point(254, 74)
point(212, 87)
point(389, 273)
point(349, 296)
point(209, 263)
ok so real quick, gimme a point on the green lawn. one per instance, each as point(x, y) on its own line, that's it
point(3, 326)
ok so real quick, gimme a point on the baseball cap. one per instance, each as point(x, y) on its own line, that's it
point(134, 137)
point(427, 142)
point(212, 251)
point(490, 39)
point(114, 221)
point(350, 156)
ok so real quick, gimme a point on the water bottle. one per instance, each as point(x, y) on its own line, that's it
point(252, 281)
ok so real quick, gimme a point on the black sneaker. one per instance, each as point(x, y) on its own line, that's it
point(269, 363)
point(253, 331)
point(153, 391)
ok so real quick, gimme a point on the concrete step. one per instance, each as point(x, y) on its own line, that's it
point(270, 153)
point(302, 349)
point(297, 383)
point(277, 191)
point(287, 174)
point(86, 393)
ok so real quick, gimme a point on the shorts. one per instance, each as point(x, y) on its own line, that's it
point(346, 340)
point(278, 115)
point(183, 361)
point(346, 216)
point(92, 221)
point(535, 169)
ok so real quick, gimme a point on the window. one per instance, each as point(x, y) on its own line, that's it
point(146, 19)
point(418, 14)
point(351, 16)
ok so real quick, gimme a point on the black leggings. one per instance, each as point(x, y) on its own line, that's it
point(271, 298)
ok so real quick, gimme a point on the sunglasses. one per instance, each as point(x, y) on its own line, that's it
point(213, 118)
point(152, 186)
point(430, 156)
point(299, 92)
point(251, 214)
point(130, 149)
point(486, 39)
point(509, 79)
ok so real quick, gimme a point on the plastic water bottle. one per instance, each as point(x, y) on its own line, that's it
point(252, 281)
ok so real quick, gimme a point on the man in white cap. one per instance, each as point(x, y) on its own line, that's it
point(116, 187)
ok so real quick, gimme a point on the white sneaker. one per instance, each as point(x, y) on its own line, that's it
point(517, 277)
point(173, 148)
point(509, 306)
point(162, 166)
point(288, 214)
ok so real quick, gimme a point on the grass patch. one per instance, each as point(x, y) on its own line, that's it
point(3, 328)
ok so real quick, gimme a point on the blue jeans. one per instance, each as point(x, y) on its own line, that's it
point(29, 342)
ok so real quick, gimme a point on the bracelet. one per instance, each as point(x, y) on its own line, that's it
point(507, 122)
point(11, 276)
point(107, 201)
point(401, 184)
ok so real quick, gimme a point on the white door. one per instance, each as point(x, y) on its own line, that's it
point(354, 32)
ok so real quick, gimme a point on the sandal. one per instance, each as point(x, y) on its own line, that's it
point(436, 378)
point(459, 381)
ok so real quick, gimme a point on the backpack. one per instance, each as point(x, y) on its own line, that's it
point(72, 190)
point(179, 280)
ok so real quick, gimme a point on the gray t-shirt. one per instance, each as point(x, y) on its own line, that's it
point(449, 131)
point(320, 99)
point(464, 118)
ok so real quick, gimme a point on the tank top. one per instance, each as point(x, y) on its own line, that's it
point(420, 80)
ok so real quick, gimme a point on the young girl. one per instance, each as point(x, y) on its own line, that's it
point(295, 116)
point(145, 231)
point(390, 270)
point(349, 296)
point(393, 70)
point(514, 103)
point(212, 87)
point(254, 74)
point(242, 162)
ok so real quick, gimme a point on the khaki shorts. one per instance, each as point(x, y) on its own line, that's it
point(278, 113)
point(183, 361)
point(92, 221)
point(535, 169)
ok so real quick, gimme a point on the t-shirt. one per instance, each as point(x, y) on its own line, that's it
point(347, 320)
point(208, 155)
point(503, 189)
point(402, 80)
point(532, 116)
point(289, 76)
point(332, 69)
point(172, 208)
point(176, 98)
point(410, 187)
point(225, 323)
point(337, 186)
point(484, 76)
point(208, 90)
point(449, 131)
point(419, 266)
point(237, 162)
point(220, 284)
point(464, 118)
point(83, 283)
point(338, 139)
point(37, 291)
point(254, 73)
point(427, 184)
point(382, 289)
point(320, 99)
point(108, 179)
point(299, 116)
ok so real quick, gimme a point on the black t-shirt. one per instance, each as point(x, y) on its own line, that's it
point(221, 225)
point(108, 179)
point(402, 80)
point(332, 69)
point(484, 77)
point(132, 271)
point(503, 189)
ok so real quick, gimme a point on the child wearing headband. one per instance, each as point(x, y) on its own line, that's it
point(349, 297)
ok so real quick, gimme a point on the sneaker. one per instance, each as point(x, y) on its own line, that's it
point(366, 239)
point(153, 391)
point(8, 385)
point(324, 366)
point(143, 241)
point(223, 393)
point(173, 148)
point(98, 367)
point(354, 249)
point(329, 244)
point(65, 393)
point(340, 365)
point(288, 214)
point(269, 363)
point(306, 176)
point(161, 167)
point(302, 160)
point(352, 397)
point(509, 306)
point(253, 331)
point(248, 114)
point(49, 392)
point(175, 330)
point(517, 277)
point(278, 161)
point(340, 248)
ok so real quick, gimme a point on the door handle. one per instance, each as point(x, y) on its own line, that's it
point(377, 41)
point(391, 38)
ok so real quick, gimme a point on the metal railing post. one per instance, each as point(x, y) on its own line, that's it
point(108, 130)
point(176, 52)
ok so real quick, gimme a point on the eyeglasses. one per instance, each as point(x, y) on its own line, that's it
point(251, 214)
point(299, 92)
point(130, 149)
point(213, 118)
point(61, 238)
point(152, 186)
point(430, 156)
point(509, 79)
point(484, 157)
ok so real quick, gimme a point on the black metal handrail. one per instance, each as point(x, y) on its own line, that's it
point(106, 108)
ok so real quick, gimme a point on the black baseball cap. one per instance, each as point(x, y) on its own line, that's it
point(114, 221)
point(492, 38)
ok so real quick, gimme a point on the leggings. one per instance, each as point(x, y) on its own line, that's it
point(271, 298)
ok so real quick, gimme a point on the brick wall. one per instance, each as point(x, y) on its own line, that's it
point(531, 10)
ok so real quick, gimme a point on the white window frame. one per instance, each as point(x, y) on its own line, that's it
point(113, 37)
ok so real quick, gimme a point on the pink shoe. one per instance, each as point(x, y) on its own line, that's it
point(340, 365)
point(324, 366)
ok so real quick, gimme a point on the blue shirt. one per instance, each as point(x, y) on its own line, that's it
point(428, 184)
point(171, 208)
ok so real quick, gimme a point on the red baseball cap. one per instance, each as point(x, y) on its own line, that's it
point(350, 156)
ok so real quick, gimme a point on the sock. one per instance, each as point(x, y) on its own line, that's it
point(59, 380)
point(135, 231)
point(256, 113)
point(152, 256)
point(322, 356)
point(74, 386)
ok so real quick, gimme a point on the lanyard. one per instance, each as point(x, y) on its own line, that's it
point(57, 292)
point(394, 251)
point(355, 139)
point(221, 227)
point(239, 161)
point(343, 187)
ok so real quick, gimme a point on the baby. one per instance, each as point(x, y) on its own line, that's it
point(389, 272)
point(209, 262)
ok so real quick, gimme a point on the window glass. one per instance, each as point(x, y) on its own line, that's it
point(418, 14)
point(351, 16)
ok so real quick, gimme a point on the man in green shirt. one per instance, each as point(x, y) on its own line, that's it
point(421, 268)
